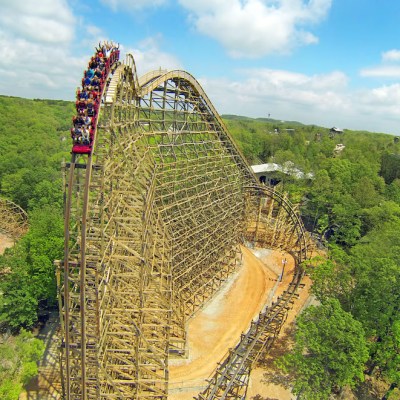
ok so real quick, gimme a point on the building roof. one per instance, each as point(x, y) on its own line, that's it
point(287, 169)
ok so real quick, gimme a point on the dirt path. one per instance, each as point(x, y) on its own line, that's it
point(217, 328)
point(5, 242)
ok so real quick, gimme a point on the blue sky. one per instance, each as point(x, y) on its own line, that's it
point(325, 62)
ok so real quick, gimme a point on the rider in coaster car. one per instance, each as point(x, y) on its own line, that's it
point(91, 108)
point(95, 83)
point(85, 135)
point(77, 134)
point(86, 81)
point(87, 121)
point(80, 105)
point(98, 72)
point(83, 95)
point(78, 121)
point(90, 73)
point(93, 63)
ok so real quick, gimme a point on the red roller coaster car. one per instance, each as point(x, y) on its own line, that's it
point(88, 98)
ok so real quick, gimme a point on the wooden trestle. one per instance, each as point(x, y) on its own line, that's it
point(153, 222)
point(273, 223)
point(14, 220)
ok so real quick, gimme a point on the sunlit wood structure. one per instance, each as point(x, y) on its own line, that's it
point(13, 219)
point(153, 221)
point(272, 222)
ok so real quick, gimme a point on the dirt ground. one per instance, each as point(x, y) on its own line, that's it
point(5, 242)
point(217, 327)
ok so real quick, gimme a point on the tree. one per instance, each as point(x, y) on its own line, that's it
point(365, 194)
point(390, 167)
point(330, 280)
point(345, 218)
point(18, 358)
point(376, 217)
point(387, 354)
point(18, 303)
point(392, 191)
point(329, 353)
point(27, 270)
point(43, 244)
point(375, 298)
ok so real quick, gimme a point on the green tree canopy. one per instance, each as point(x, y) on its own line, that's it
point(18, 363)
point(329, 352)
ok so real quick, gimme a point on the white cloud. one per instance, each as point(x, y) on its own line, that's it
point(148, 56)
point(41, 61)
point(132, 5)
point(260, 87)
point(391, 55)
point(45, 21)
point(389, 67)
point(253, 28)
point(324, 99)
point(94, 31)
point(36, 40)
point(382, 71)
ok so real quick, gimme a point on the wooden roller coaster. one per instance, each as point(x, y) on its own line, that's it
point(14, 220)
point(155, 212)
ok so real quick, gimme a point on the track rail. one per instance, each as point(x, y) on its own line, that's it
point(73, 292)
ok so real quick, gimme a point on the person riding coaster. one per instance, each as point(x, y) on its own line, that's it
point(88, 97)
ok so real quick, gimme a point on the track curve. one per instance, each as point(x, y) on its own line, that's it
point(154, 216)
point(14, 219)
point(231, 377)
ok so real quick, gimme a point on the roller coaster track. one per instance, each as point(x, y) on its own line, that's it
point(14, 220)
point(230, 379)
point(154, 216)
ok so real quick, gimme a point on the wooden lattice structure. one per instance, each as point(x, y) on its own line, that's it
point(272, 222)
point(13, 219)
point(153, 221)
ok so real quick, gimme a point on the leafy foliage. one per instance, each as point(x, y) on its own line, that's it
point(18, 363)
point(390, 168)
point(329, 353)
point(330, 280)
point(353, 204)
point(32, 143)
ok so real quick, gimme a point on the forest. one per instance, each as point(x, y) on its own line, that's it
point(352, 207)
point(34, 140)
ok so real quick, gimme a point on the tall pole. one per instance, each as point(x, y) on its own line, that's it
point(284, 262)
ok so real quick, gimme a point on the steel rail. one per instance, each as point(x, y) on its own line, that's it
point(67, 218)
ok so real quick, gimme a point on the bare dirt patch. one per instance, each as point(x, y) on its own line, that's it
point(5, 242)
point(217, 328)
